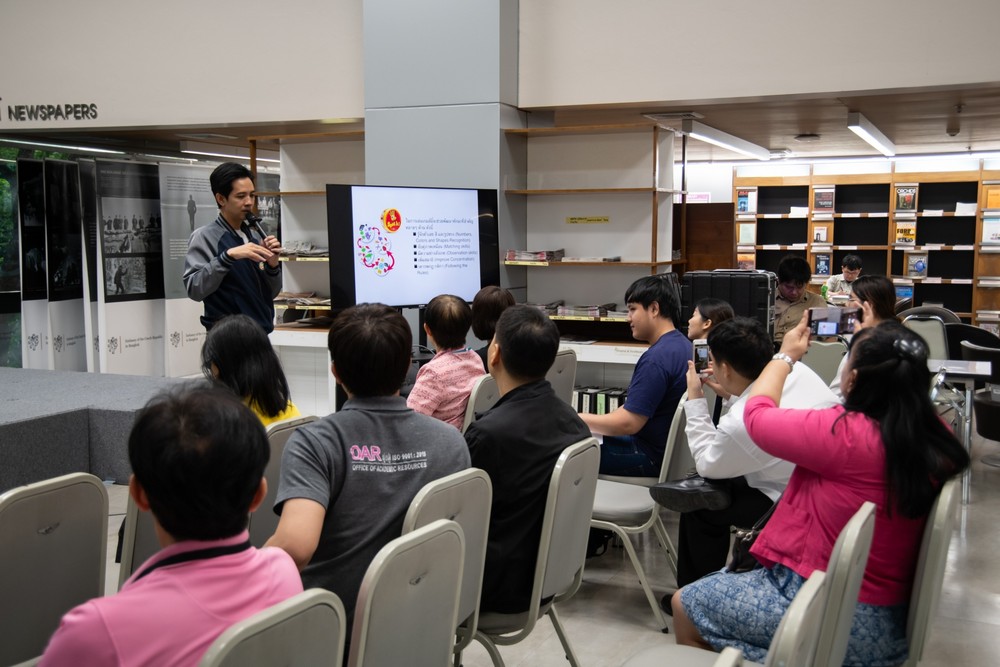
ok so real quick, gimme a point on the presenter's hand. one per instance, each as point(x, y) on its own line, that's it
point(694, 383)
point(253, 252)
point(274, 245)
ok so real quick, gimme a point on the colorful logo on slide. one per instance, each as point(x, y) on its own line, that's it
point(391, 220)
point(374, 249)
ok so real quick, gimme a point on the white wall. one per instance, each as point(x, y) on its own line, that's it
point(183, 62)
point(599, 52)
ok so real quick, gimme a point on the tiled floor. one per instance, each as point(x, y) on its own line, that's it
point(609, 618)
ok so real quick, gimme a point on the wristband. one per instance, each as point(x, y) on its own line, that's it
point(781, 356)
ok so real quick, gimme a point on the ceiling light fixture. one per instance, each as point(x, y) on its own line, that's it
point(65, 147)
point(864, 128)
point(228, 152)
point(710, 135)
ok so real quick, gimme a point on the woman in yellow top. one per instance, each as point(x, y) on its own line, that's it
point(238, 354)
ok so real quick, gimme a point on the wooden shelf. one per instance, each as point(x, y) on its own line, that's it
point(584, 318)
point(294, 258)
point(645, 265)
point(596, 191)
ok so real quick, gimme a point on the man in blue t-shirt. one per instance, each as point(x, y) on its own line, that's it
point(636, 433)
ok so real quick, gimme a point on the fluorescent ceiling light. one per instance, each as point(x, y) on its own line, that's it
point(84, 149)
point(230, 156)
point(863, 127)
point(725, 140)
point(230, 152)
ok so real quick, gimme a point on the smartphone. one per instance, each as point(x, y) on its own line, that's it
point(699, 355)
point(832, 321)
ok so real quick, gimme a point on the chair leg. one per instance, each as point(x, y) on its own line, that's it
point(491, 648)
point(666, 543)
point(561, 633)
point(641, 574)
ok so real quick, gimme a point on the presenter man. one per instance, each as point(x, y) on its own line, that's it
point(230, 266)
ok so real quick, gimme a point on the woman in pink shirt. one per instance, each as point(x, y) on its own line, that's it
point(886, 445)
point(444, 383)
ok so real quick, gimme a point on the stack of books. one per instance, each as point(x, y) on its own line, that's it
point(547, 308)
point(598, 401)
point(597, 310)
point(535, 255)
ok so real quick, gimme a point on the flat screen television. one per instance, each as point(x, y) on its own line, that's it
point(402, 246)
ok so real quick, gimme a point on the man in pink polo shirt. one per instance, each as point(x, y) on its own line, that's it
point(198, 459)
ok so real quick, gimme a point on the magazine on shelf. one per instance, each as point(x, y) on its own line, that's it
point(823, 199)
point(535, 255)
point(746, 200)
point(906, 232)
point(992, 195)
point(746, 233)
point(904, 291)
point(746, 261)
point(991, 231)
point(821, 234)
point(906, 197)
point(916, 264)
point(822, 265)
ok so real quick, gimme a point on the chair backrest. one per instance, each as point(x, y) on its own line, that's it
point(843, 583)
point(466, 498)
point(55, 538)
point(408, 601)
point(972, 352)
point(903, 304)
point(677, 459)
point(942, 314)
point(264, 521)
point(307, 630)
point(562, 374)
point(960, 331)
point(824, 358)
point(930, 568)
point(794, 643)
point(139, 543)
point(931, 329)
point(483, 396)
point(730, 657)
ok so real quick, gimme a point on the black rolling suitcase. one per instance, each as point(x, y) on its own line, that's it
point(750, 293)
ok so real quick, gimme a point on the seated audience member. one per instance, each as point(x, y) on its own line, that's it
point(348, 478)
point(238, 354)
point(793, 298)
point(739, 349)
point(708, 313)
point(635, 434)
point(885, 444)
point(843, 282)
point(198, 459)
point(487, 306)
point(875, 296)
point(444, 383)
point(517, 443)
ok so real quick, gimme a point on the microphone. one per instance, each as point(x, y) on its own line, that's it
point(254, 221)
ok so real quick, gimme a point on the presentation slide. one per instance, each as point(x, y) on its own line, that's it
point(411, 244)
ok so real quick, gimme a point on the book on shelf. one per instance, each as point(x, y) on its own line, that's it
point(746, 200)
point(906, 197)
point(535, 255)
point(916, 264)
point(547, 308)
point(822, 265)
point(746, 261)
point(821, 234)
point(992, 327)
point(746, 233)
point(906, 232)
point(595, 310)
point(613, 258)
point(798, 212)
point(904, 291)
point(966, 208)
point(823, 199)
point(991, 231)
point(992, 194)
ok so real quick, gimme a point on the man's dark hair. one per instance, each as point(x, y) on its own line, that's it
point(794, 269)
point(658, 289)
point(743, 343)
point(371, 345)
point(852, 262)
point(448, 317)
point(222, 178)
point(487, 306)
point(528, 342)
point(199, 454)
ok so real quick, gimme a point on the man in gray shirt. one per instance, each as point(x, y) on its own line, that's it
point(347, 479)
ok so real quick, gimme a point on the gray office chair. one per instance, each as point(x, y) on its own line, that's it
point(562, 550)
point(824, 358)
point(562, 375)
point(484, 396)
point(627, 509)
point(466, 498)
point(931, 329)
point(793, 645)
point(844, 573)
point(307, 630)
point(139, 543)
point(930, 569)
point(264, 521)
point(960, 331)
point(55, 539)
point(654, 657)
point(984, 404)
point(408, 601)
point(942, 314)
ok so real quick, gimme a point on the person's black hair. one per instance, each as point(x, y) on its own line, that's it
point(528, 342)
point(852, 262)
point(246, 363)
point(655, 289)
point(794, 269)
point(487, 307)
point(199, 454)
point(449, 318)
point(716, 310)
point(879, 292)
point(370, 344)
point(223, 176)
point(743, 343)
point(891, 388)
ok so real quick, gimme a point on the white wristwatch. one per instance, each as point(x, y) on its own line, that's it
point(781, 356)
